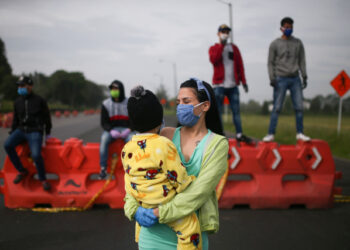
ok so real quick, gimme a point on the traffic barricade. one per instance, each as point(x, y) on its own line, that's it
point(7, 120)
point(66, 113)
point(73, 166)
point(268, 175)
point(58, 114)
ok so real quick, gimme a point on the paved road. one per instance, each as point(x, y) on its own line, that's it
point(240, 228)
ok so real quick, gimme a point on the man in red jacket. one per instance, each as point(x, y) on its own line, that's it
point(228, 74)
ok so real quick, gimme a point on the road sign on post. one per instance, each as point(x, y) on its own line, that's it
point(341, 84)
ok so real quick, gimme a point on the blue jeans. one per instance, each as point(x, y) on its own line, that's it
point(34, 140)
point(233, 96)
point(279, 93)
point(106, 139)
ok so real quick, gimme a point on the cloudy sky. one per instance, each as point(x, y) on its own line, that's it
point(138, 42)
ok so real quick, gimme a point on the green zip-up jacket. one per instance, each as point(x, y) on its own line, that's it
point(200, 195)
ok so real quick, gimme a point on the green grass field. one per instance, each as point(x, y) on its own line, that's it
point(320, 127)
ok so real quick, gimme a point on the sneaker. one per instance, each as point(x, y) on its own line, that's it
point(20, 176)
point(46, 185)
point(301, 136)
point(269, 138)
point(103, 174)
point(243, 138)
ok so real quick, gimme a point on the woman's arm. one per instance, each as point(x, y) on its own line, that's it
point(200, 190)
point(130, 206)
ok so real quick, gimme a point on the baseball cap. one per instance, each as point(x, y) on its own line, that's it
point(223, 27)
point(23, 80)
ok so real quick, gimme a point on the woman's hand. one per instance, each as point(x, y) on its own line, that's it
point(145, 217)
point(156, 212)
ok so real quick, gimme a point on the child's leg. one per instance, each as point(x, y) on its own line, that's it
point(188, 232)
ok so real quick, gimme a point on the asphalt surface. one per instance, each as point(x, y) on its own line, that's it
point(104, 228)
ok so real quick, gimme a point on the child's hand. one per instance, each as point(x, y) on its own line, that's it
point(114, 133)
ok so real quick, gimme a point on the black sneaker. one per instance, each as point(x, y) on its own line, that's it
point(46, 185)
point(103, 174)
point(20, 176)
point(244, 138)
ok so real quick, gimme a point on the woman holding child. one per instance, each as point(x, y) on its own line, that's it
point(203, 151)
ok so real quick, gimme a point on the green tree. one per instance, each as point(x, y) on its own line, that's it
point(7, 80)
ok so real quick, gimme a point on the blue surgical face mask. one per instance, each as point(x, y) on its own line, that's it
point(288, 32)
point(22, 91)
point(185, 115)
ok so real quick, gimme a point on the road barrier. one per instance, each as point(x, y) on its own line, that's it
point(58, 114)
point(264, 175)
point(73, 166)
point(268, 175)
point(7, 120)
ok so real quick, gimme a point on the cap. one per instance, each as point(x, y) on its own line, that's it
point(223, 27)
point(23, 80)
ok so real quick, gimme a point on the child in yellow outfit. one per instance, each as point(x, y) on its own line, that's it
point(154, 173)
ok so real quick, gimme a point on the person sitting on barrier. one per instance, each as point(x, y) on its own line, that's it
point(114, 121)
point(31, 119)
point(203, 151)
point(153, 170)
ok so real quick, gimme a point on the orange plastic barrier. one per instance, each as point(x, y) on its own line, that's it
point(271, 176)
point(265, 175)
point(73, 164)
point(58, 114)
point(66, 113)
point(7, 120)
point(75, 113)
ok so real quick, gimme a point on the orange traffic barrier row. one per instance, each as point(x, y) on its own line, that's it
point(265, 175)
point(268, 175)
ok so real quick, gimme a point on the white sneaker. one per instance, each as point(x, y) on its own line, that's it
point(268, 138)
point(301, 136)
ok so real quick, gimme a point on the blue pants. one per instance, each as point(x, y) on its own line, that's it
point(233, 96)
point(34, 140)
point(279, 93)
point(106, 139)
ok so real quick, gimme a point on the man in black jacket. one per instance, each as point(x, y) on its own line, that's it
point(30, 120)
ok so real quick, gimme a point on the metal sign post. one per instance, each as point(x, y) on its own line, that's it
point(341, 84)
point(339, 114)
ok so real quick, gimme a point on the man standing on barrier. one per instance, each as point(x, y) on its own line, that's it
point(31, 119)
point(228, 74)
point(285, 62)
point(114, 121)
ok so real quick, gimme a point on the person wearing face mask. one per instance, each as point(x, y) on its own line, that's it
point(153, 170)
point(31, 119)
point(203, 152)
point(114, 121)
point(228, 74)
point(286, 63)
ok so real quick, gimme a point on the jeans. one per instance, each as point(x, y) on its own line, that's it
point(106, 139)
point(279, 93)
point(233, 96)
point(34, 140)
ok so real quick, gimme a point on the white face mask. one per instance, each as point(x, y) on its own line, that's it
point(223, 36)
